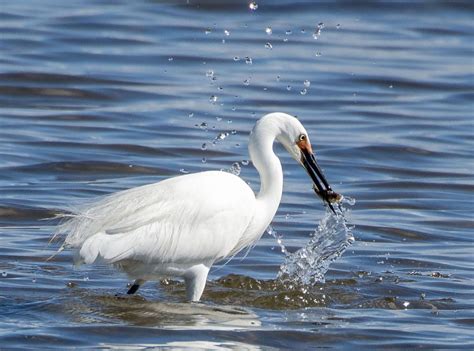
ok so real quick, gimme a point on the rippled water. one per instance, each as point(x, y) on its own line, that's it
point(101, 96)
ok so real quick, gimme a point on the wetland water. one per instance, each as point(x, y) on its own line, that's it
point(101, 96)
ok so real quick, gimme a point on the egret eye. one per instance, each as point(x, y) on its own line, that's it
point(302, 137)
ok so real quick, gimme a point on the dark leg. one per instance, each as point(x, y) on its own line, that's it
point(136, 285)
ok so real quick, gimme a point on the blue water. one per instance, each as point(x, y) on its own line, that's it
point(101, 96)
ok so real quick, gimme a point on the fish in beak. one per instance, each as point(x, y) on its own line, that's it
point(320, 184)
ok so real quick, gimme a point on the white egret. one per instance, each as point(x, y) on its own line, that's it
point(181, 226)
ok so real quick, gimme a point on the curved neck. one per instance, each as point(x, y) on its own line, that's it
point(269, 168)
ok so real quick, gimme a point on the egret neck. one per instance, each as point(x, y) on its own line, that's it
point(269, 168)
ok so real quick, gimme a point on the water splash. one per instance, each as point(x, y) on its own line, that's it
point(308, 265)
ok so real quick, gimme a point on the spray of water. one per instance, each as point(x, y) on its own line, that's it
point(308, 265)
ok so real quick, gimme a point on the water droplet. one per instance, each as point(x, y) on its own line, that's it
point(236, 58)
point(229, 121)
point(390, 86)
point(245, 162)
point(303, 91)
point(210, 73)
point(71, 284)
point(247, 81)
point(248, 60)
point(338, 26)
point(204, 160)
point(303, 30)
point(278, 78)
point(213, 99)
point(288, 87)
point(406, 304)
point(184, 171)
point(268, 30)
point(170, 59)
point(220, 88)
point(218, 119)
point(86, 279)
point(204, 146)
point(203, 125)
point(207, 31)
point(223, 41)
point(379, 279)
point(33, 280)
point(253, 6)
point(268, 46)
point(288, 32)
point(222, 136)
point(235, 168)
point(191, 115)
point(233, 132)
point(307, 83)
point(226, 32)
point(317, 54)
point(4, 274)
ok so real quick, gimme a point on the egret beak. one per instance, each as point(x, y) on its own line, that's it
point(321, 185)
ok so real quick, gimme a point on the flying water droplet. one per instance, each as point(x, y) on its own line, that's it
point(236, 58)
point(191, 115)
point(4, 274)
point(288, 32)
point(247, 81)
point(213, 99)
point(233, 132)
point(317, 31)
point(170, 59)
point(268, 46)
point(220, 136)
point(235, 169)
point(307, 83)
point(253, 6)
point(303, 31)
point(278, 78)
point(268, 30)
point(317, 54)
point(204, 146)
point(207, 31)
point(248, 60)
point(288, 87)
point(210, 73)
point(406, 304)
point(218, 119)
point(226, 32)
point(204, 160)
point(184, 171)
point(203, 125)
point(245, 162)
point(338, 26)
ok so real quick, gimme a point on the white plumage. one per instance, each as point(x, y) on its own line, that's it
point(181, 226)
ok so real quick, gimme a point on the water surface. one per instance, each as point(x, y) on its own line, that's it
point(103, 96)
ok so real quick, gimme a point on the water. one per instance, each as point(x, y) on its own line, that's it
point(104, 96)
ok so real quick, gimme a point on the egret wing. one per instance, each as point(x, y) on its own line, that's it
point(181, 220)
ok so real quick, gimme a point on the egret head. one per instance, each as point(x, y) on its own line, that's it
point(295, 139)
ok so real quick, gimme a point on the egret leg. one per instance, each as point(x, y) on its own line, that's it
point(195, 280)
point(136, 285)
